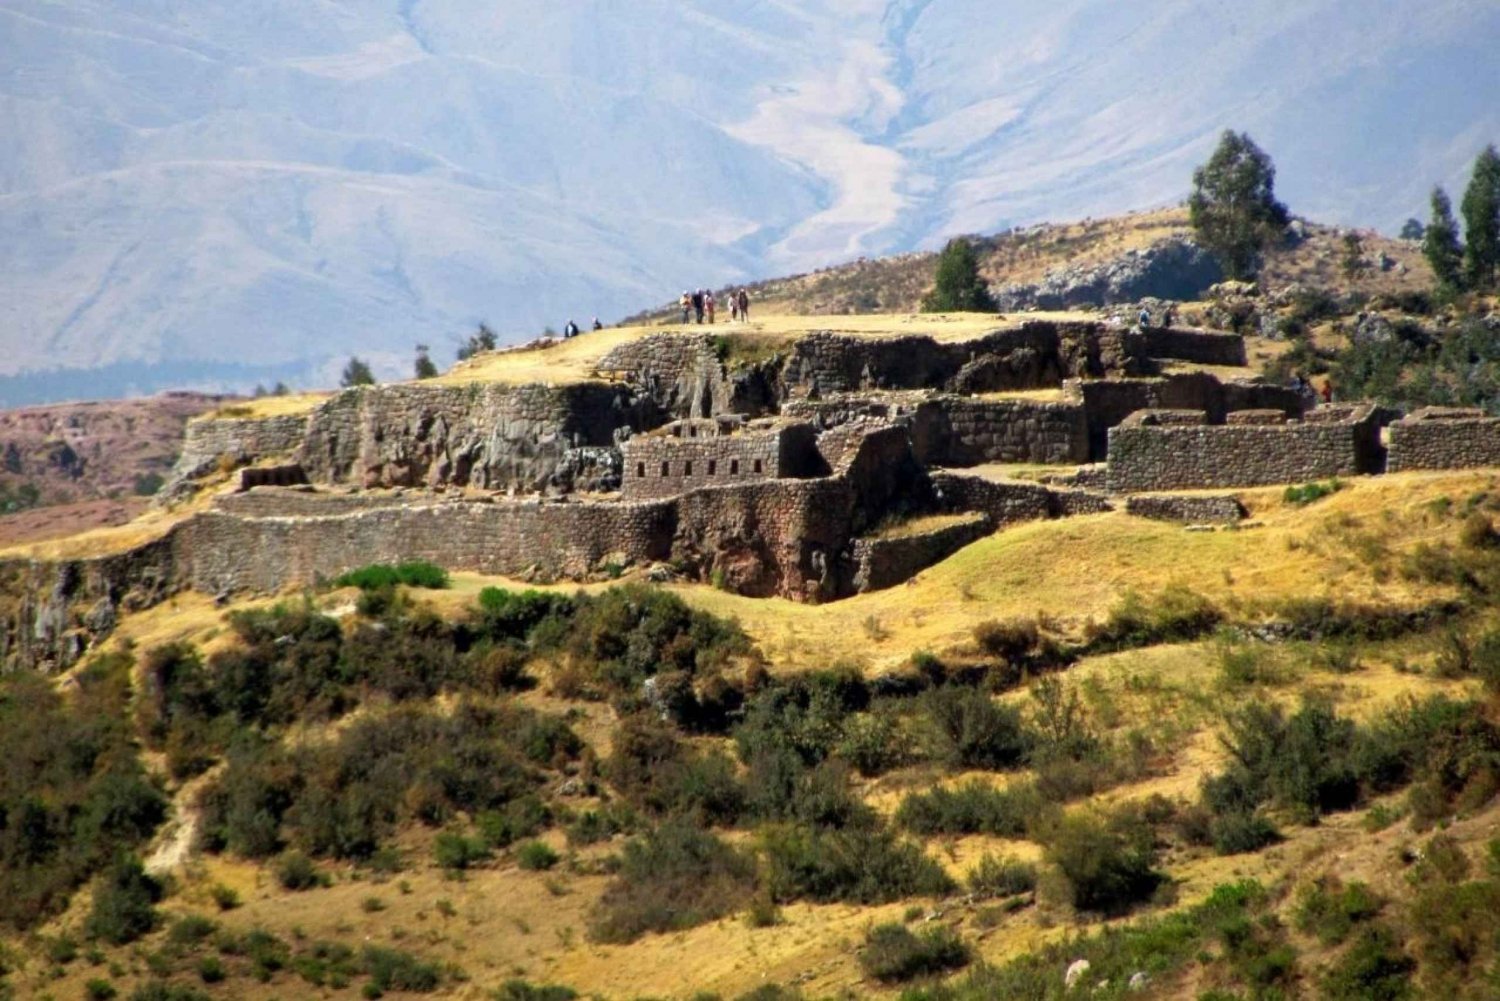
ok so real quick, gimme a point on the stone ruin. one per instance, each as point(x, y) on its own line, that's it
point(772, 477)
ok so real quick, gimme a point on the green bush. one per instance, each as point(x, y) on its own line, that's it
point(891, 953)
point(72, 792)
point(211, 969)
point(1238, 832)
point(673, 877)
point(1373, 968)
point(1010, 640)
point(1176, 614)
point(655, 770)
point(455, 852)
point(1330, 909)
point(295, 871)
point(874, 742)
point(863, 866)
point(394, 970)
point(971, 730)
point(99, 989)
point(520, 990)
point(1000, 876)
point(516, 820)
point(191, 929)
point(536, 855)
point(975, 807)
point(1107, 863)
point(124, 903)
point(1308, 493)
point(376, 576)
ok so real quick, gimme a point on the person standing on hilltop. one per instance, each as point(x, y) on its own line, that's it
point(686, 303)
point(571, 330)
point(1145, 317)
point(597, 324)
point(742, 298)
point(734, 306)
point(708, 304)
point(698, 305)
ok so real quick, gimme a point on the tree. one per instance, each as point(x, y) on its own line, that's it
point(1354, 255)
point(124, 902)
point(1481, 212)
point(1412, 229)
point(1233, 207)
point(482, 339)
point(425, 369)
point(957, 285)
point(357, 373)
point(1440, 244)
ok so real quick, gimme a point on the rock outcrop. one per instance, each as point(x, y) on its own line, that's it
point(1174, 268)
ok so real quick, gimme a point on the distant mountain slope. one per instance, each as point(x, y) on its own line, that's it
point(217, 194)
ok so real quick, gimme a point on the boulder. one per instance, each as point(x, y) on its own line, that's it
point(1173, 268)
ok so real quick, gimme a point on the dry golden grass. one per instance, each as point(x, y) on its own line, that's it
point(270, 406)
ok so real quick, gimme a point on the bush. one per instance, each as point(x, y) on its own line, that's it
point(1330, 909)
point(124, 903)
point(1010, 640)
point(210, 969)
point(975, 807)
point(1176, 614)
point(535, 855)
point(1000, 876)
point(520, 990)
point(455, 852)
point(972, 730)
point(1239, 831)
point(99, 989)
point(1107, 863)
point(672, 878)
point(1308, 493)
point(1374, 968)
point(191, 929)
point(392, 969)
point(225, 897)
point(891, 953)
point(519, 819)
point(160, 990)
point(874, 743)
point(377, 576)
point(295, 871)
point(850, 866)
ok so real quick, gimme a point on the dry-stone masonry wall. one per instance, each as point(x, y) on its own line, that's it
point(211, 443)
point(529, 438)
point(1441, 438)
point(1107, 402)
point(881, 563)
point(678, 458)
point(1340, 441)
point(1193, 510)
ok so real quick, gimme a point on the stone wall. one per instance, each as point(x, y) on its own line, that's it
point(686, 376)
point(881, 563)
point(1440, 438)
point(665, 464)
point(1218, 510)
point(211, 443)
point(1107, 402)
point(526, 438)
point(1204, 347)
point(1342, 442)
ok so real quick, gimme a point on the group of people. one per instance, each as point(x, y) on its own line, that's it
point(1308, 390)
point(570, 329)
point(703, 303)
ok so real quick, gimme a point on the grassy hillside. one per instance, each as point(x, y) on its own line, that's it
point(441, 791)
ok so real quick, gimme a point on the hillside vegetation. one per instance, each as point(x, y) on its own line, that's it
point(1258, 762)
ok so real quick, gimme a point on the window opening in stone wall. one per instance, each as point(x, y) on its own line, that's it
point(666, 470)
point(734, 467)
point(640, 470)
point(757, 465)
point(687, 468)
point(692, 432)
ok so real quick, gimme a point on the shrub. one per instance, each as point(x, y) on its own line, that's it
point(160, 990)
point(536, 855)
point(1107, 863)
point(295, 871)
point(124, 903)
point(1009, 640)
point(455, 852)
point(972, 730)
point(1374, 968)
point(1000, 876)
point(392, 969)
point(891, 953)
point(99, 989)
point(975, 807)
point(874, 743)
point(519, 819)
point(225, 897)
point(1239, 831)
point(376, 576)
point(1176, 614)
point(673, 877)
point(520, 990)
point(191, 929)
point(851, 866)
point(1330, 909)
point(211, 969)
point(1308, 493)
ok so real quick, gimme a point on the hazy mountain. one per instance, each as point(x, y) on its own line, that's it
point(213, 193)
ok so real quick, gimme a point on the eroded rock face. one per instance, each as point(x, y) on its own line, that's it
point(1174, 268)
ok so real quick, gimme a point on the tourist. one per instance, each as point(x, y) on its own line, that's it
point(698, 305)
point(708, 304)
point(734, 306)
point(571, 330)
point(686, 303)
point(597, 324)
point(1145, 317)
point(743, 299)
point(1327, 391)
